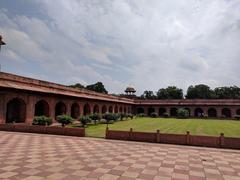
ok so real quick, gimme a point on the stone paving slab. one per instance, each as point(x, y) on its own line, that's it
point(37, 156)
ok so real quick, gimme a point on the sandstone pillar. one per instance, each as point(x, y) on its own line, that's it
point(30, 108)
point(52, 109)
point(219, 112)
point(91, 108)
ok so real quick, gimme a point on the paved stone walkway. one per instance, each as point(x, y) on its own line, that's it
point(34, 156)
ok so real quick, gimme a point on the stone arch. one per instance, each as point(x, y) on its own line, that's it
point(140, 110)
point(238, 111)
point(116, 109)
point(226, 112)
point(162, 111)
point(96, 109)
point(16, 111)
point(86, 109)
point(198, 112)
point(104, 109)
point(75, 111)
point(151, 110)
point(173, 112)
point(60, 109)
point(110, 109)
point(41, 108)
point(212, 112)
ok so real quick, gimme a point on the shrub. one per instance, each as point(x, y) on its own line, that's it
point(84, 120)
point(122, 116)
point(42, 121)
point(117, 117)
point(141, 115)
point(205, 116)
point(182, 113)
point(95, 117)
point(130, 116)
point(110, 117)
point(237, 117)
point(153, 115)
point(64, 119)
point(165, 115)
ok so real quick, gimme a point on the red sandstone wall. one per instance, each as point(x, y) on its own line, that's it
point(182, 139)
point(80, 132)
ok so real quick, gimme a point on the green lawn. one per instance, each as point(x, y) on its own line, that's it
point(170, 125)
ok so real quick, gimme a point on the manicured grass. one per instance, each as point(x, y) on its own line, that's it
point(170, 125)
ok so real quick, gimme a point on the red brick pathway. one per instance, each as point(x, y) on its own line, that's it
point(33, 157)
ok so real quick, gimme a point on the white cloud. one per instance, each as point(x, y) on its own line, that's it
point(150, 44)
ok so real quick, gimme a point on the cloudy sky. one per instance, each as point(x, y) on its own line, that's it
point(149, 44)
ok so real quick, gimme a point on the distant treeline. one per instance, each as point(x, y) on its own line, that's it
point(97, 87)
point(200, 91)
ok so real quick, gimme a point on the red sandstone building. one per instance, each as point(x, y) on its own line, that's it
point(23, 98)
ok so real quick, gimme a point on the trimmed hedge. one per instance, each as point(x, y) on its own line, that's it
point(64, 119)
point(42, 121)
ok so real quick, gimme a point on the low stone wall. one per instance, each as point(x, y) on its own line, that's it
point(80, 132)
point(181, 139)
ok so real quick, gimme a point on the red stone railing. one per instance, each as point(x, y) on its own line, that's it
point(181, 139)
point(80, 132)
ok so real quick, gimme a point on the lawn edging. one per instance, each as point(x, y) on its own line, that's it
point(80, 132)
point(180, 139)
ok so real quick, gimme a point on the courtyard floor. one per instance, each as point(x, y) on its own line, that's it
point(35, 156)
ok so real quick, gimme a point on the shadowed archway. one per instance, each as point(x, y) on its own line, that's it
point(121, 109)
point(16, 111)
point(173, 112)
point(104, 109)
point(162, 111)
point(198, 112)
point(140, 110)
point(110, 109)
point(238, 111)
point(96, 109)
point(86, 109)
point(75, 111)
point(116, 109)
point(212, 112)
point(151, 110)
point(41, 108)
point(60, 109)
point(226, 112)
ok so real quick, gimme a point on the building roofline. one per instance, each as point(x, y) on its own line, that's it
point(13, 81)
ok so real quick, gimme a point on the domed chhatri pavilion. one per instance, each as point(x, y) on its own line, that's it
point(22, 98)
point(130, 90)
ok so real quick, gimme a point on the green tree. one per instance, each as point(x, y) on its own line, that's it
point(171, 92)
point(95, 117)
point(232, 92)
point(42, 121)
point(148, 95)
point(97, 87)
point(84, 120)
point(64, 119)
point(77, 85)
point(200, 91)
